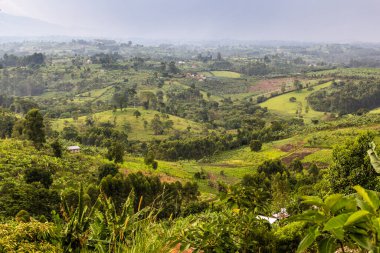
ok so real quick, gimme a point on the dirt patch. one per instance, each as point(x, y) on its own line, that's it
point(320, 165)
point(167, 179)
point(291, 147)
point(287, 147)
point(299, 154)
point(269, 85)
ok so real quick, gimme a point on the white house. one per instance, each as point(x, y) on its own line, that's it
point(73, 149)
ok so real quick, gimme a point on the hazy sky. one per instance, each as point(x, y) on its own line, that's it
point(295, 20)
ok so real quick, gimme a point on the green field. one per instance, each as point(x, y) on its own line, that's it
point(222, 74)
point(281, 104)
point(377, 110)
point(138, 132)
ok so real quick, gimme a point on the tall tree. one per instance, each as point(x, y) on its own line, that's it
point(34, 127)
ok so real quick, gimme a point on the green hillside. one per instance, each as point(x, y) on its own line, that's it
point(137, 130)
point(282, 105)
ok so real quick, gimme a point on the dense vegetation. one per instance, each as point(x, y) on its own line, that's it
point(347, 98)
point(187, 149)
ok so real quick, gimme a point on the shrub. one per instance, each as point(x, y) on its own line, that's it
point(22, 216)
point(255, 145)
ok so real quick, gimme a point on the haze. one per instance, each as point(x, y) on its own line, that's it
point(286, 20)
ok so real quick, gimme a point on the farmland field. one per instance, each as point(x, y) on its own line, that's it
point(281, 104)
point(222, 74)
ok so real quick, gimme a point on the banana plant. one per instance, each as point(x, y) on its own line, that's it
point(375, 160)
point(77, 228)
point(116, 229)
point(338, 221)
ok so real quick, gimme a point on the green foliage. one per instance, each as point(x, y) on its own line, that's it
point(253, 193)
point(107, 169)
point(75, 232)
point(289, 236)
point(255, 145)
point(375, 161)
point(57, 148)
point(271, 167)
point(116, 152)
point(347, 98)
point(228, 231)
point(22, 216)
point(296, 165)
point(34, 127)
point(38, 175)
point(32, 236)
point(351, 166)
point(340, 221)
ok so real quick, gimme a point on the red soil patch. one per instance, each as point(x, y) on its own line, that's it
point(287, 147)
point(269, 85)
point(291, 147)
point(299, 154)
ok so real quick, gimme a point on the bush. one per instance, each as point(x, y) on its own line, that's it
point(107, 169)
point(39, 175)
point(22, 216)
point(255, 145)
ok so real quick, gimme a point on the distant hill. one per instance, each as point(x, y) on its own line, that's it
point(11, 25)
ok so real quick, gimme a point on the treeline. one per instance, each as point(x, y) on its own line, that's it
point(206, 146)
point(344, 98)
point(17, 61)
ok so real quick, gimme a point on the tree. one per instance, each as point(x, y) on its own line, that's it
point(116, 152)
point(57, 148)
point(255, 145)
point(296, 165)
point(313, 170)
point(157, 125)
point(297, 84)
point(107, 169)
point(351, 166)
point(271, 167)
point(149, 160)
point(172, 68)
point(34, 127)
point(39, 175)
point(137, 114)
point(219, 56)
point(70, 133)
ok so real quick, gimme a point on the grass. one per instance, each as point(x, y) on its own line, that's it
point(222, 74)
point(377, 111)
point(281, 104)
point(138, 132)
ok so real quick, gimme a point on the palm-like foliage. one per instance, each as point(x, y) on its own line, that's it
point(77, 228)
point(338, 221)
point(375, 161)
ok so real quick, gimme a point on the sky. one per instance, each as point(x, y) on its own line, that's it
point(285, 20)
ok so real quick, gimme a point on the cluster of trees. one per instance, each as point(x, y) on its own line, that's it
point(192, 148)
point(345, 98)
point(11, 60)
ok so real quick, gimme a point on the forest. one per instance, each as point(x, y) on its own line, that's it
point(108, 146)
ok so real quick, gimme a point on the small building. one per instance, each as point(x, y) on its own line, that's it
point(275, 217)
point(73, 149)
